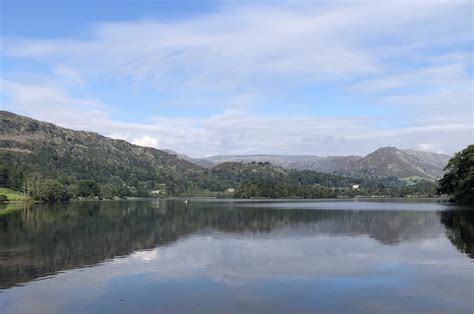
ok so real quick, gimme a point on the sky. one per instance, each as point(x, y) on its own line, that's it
point(245, 77)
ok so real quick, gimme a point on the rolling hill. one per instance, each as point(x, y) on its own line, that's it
point(384, 162)
point(29, 146)
point(32, 146)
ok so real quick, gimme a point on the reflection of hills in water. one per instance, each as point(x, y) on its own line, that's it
point(42, 240)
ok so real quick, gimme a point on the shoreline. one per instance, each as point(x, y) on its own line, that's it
point(337, 199)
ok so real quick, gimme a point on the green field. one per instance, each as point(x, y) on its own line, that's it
point(413, 179)
point(13, 195)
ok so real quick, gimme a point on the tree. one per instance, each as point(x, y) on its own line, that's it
point(4, 176)
point(10, 178)
point(52, 191)
point(32, 185)
point(458, 182)
point(108, 191)
point(88, 188)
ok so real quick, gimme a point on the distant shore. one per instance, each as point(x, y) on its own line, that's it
point(362, 198)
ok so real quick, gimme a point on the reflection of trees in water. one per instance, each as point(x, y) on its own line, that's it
point(44, 239)
point(460, 229)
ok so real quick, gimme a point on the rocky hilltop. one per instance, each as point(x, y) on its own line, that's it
point(32, 146)
point(384, 162)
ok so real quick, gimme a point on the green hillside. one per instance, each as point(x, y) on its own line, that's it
point(29, 147)
point(51, 163)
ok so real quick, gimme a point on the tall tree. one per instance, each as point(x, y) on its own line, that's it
point(458, 182)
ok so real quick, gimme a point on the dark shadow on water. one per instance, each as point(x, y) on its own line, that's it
point(460, 229)
point(42, 240)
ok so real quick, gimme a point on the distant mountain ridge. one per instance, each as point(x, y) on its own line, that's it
point(35, 149)
point(28, 146)
point(384, 162)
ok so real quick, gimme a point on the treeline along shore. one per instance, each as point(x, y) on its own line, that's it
point(40, 161)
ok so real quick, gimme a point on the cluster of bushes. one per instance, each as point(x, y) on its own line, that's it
point(272, 188)
point(10, 178)
point(38, 188)
point(275, 189)
point(304, 185)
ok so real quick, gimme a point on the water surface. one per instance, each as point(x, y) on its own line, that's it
point(237, 257)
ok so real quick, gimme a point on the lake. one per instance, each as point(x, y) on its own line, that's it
point(218, 256)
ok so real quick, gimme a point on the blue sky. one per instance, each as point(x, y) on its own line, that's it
point(241, 77)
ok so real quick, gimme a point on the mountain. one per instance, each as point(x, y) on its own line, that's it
point(31, 146)
point(391, 161)
point(384, 162)
point(197, 161)
point(63, 163)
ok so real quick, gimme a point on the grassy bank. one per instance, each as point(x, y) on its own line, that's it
point(13, 196)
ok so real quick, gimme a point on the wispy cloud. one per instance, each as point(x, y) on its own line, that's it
point(409, 56)
point(244, 132)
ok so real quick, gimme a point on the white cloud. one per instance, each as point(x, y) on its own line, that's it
point(398, 54)
point(427, 146)
point(146, 141)
point(228, 48)
point(63, 71)
point(243, 132)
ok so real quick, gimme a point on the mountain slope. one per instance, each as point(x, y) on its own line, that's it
point(235, 173)
point(28, 145)
point(302, 162)
point(432, 163)
point(384, 162)
point(197, 161)
point(391, 161)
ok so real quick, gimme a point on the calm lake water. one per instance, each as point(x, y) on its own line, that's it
point(237, 257)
